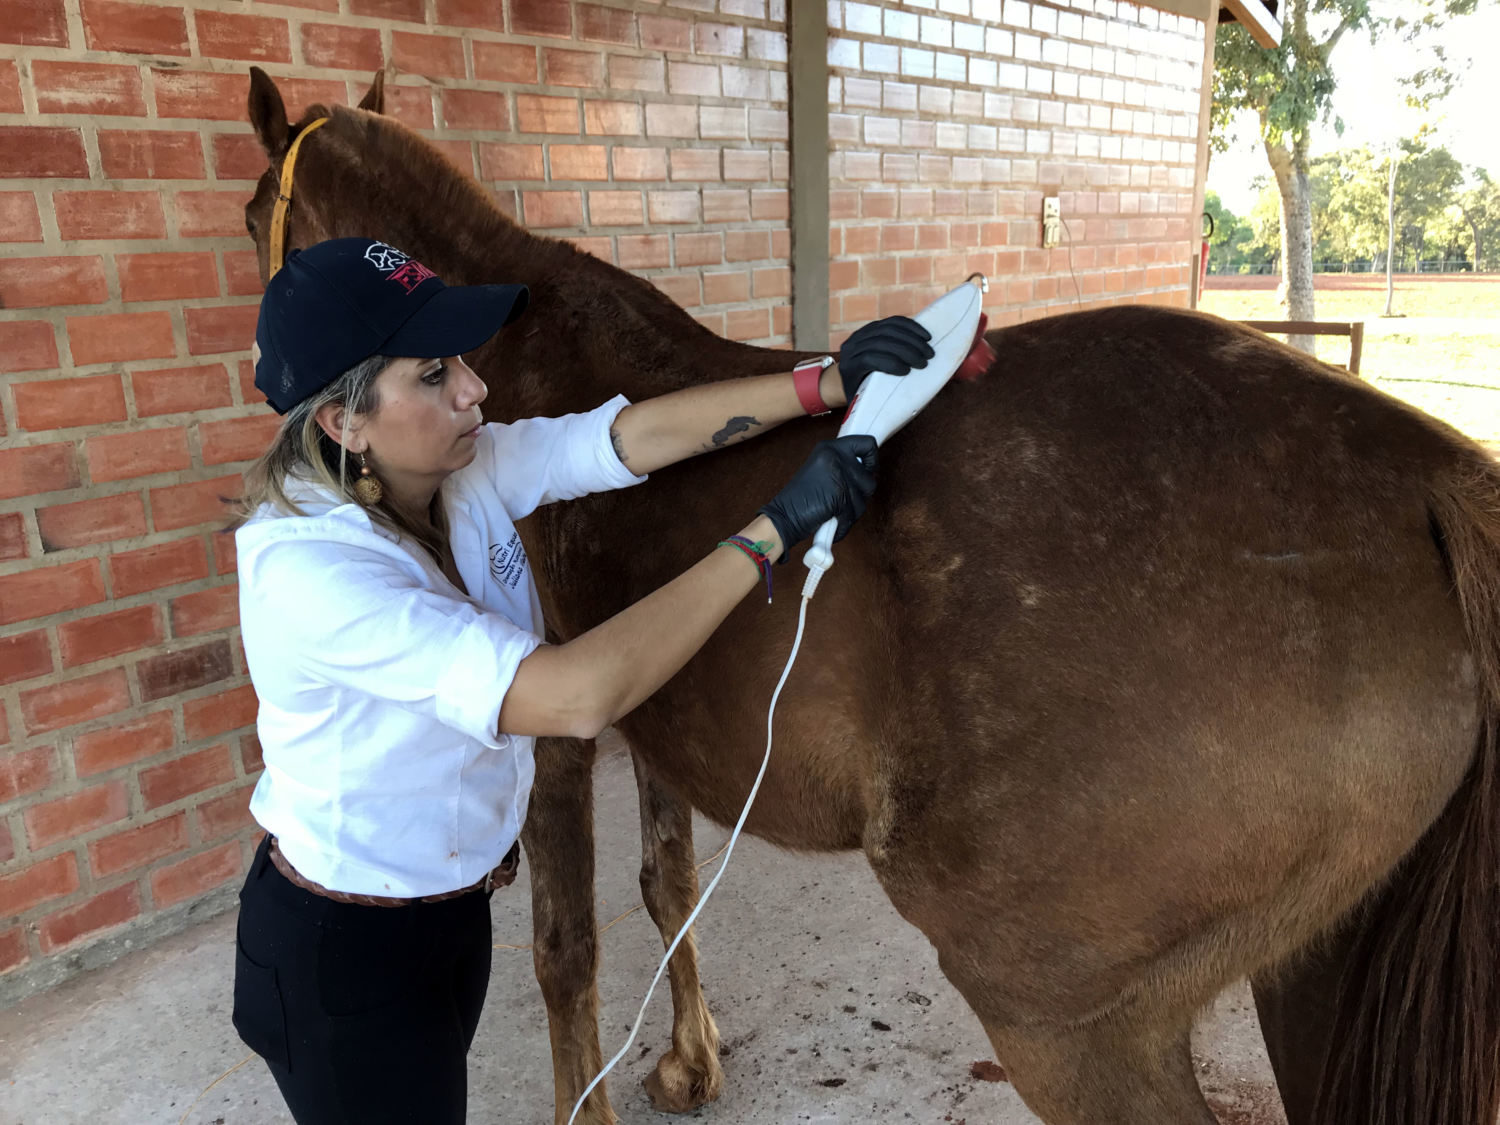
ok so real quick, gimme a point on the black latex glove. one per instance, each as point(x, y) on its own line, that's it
point(894, 345)
point(835, 482)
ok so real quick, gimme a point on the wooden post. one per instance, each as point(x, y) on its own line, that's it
point(807, 78)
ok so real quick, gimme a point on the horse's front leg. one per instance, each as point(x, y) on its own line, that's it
point(559, 841)
point(689, 1074)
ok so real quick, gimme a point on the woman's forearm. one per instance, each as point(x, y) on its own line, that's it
point(577, 689)
point(661, 431)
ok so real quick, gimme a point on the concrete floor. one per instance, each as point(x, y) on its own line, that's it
point(830, 1006)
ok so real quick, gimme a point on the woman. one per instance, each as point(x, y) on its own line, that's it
point(393, 635)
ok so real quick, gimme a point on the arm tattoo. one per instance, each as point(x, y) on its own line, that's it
point(733, 428)
point(619, 443)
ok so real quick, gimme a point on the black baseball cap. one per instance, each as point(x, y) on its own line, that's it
point(341, 301)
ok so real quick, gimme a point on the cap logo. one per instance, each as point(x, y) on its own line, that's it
point(397, 265)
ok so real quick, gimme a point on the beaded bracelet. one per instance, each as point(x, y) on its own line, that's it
point(755, 551)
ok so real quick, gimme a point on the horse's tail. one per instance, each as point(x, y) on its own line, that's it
point(1417, 1032)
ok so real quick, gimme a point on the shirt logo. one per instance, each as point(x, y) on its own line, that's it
point(508, 562)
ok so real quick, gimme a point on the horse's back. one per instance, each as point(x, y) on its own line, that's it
point(1177, 644)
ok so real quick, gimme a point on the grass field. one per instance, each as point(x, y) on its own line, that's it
point(1443, 355)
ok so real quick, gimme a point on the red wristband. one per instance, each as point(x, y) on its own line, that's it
point(806, 379)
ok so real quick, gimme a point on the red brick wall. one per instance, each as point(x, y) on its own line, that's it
point(952, 119)
point(654, 136)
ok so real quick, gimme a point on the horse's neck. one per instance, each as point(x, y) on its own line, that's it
point(591, 330)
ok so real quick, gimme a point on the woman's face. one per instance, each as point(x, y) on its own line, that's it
point(425, 425)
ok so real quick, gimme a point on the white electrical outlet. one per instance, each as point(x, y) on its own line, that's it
point(1051, 221)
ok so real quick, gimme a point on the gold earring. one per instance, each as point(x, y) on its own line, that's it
point(367, 488)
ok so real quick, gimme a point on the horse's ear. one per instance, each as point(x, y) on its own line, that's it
point(374, 99)
point(267, 112)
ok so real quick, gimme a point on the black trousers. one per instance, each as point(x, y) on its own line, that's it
point(364, 1014)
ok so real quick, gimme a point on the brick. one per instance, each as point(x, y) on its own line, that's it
point(699, 249)
point(144, 154)
point(615, 208)
point(211, 214)
point(184, 776)
point(541, 17)
point(683, 288)
point(174, 672)
point(747, 324)
point(693, 78)
point(191, 877)
point(51, 404)
point(238, 156)
point(222, 816)
point(137, 454)
point(673, 206)
point(671, 120)
point(182, 505)
point(409, 10)
point(598, 24)
point(241, 274)
point(13, 953)
point(34, 152)
point(432, 56)
point(25, 772)
point(237, 439)
point(95, 88)
point(171, 390)
point(90, 917)
point(120, 336)
point(627, 72)
point(124, 744)
point(19, 219)
point(612, 119)
point(539, 113)
point(205, 611)
point(553, 208)
point(475, 109)
point(24, 656)
point(724, 288)
point(198, 94)
point(74, 701)
point(342, 48)
point(742, 165)
point(665, 33)
point(229, 328)
point(35, 23)
point(53, 589)
point(505, 62)
point(218, 714)
point(718, 39)
point(109, 214)
point(75, 814)
point(97, 520)
point(39, 883)
point(579, 162)
point(142, 29)
point(632, 163)
point(299, 93)
point(12, 536)
point(746, 245)
point(32, 469)
point(136, 847)
point(151, 568)
point(471, 13)
point(31, 283)
point(511, 162)
point(645, 251)
point(562, 67)
point(232, 35)
point(167, 277)
point(224, 552)
point(701, 164)
point(108, 634)
point(10, 88)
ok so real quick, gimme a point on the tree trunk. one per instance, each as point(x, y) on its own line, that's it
point(1296, 290)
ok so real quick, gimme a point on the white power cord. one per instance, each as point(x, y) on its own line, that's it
point(807, 592)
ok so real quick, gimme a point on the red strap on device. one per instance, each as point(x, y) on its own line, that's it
point(806, 378)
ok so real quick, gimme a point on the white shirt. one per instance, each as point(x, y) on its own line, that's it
point(380, 682)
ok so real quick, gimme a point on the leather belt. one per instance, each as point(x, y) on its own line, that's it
point(502, 876)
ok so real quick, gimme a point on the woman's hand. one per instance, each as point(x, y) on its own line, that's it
point(834, 483)
point(894, 345)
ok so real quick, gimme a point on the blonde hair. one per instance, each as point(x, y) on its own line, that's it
point(301, 450)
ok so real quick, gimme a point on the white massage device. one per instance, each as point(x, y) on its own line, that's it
point(883, 404)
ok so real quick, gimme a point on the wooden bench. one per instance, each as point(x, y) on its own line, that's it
point(1355, 330)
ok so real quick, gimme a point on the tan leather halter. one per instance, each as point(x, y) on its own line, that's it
point(284, 198)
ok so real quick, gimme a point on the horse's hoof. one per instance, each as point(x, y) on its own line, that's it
point(677, 1087)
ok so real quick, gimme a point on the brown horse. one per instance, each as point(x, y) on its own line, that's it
point(1166, 656)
